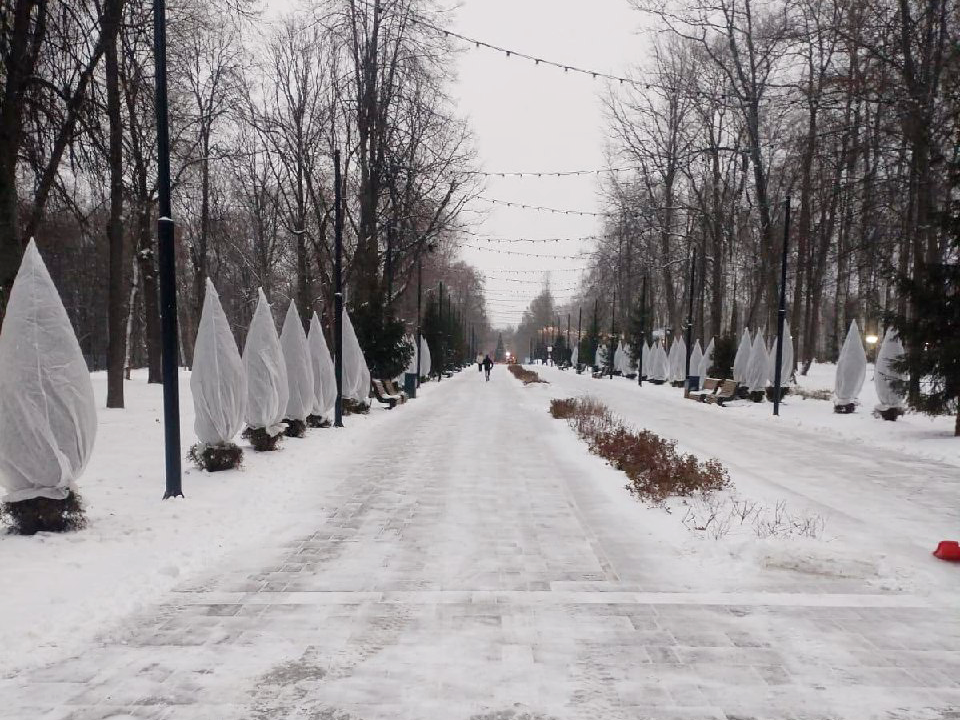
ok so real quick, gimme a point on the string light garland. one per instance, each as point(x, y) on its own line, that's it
point(537, 61)
point(553, 174)
point(522, 254)
point(539, 271)
point(540, 208)
point(502, 240)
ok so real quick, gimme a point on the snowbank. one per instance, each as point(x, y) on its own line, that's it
point(137, 545)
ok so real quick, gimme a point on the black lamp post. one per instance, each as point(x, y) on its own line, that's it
point(338, 287)
point(781, 311)
point(686, 374)
point(167, 263)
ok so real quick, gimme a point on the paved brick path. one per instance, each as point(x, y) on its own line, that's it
point(513, 591)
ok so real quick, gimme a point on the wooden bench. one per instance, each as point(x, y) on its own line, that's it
point(710, 387)
point(381, 394)
point(727, 392)
point(392, 389)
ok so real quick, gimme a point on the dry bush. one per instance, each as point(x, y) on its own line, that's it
point(525, 376)
point(28, 517)
point(563, 409)
point(716, 516)
point(214, 458)
point(655, 469)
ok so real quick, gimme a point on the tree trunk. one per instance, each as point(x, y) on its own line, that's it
point(116, 294)
point(25, 36)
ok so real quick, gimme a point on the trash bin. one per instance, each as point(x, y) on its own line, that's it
point(410, 384)
point(693, 383)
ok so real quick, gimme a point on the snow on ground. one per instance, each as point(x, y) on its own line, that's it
point(464, 557)
point(877, 511)
point(59, 590)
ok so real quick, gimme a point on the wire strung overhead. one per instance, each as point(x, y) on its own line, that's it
point(522, 254)
point(502, 240)
point(538, 271)
point(540, 208)
point(555, 174)
point(538, 61)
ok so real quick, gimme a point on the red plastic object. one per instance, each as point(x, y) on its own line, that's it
point(948, 550)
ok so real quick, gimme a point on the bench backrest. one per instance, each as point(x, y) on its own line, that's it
point(728, 389)
point(390, 387)
point(711, 384)
point(378, 387)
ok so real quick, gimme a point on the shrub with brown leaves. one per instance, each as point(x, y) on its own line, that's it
point(525, 376)
point(655, 469)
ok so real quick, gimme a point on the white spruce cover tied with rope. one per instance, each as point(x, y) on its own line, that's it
point(600, 357)
point(660, 366)
point(356, 376)
point(301, 399)
point(678, 361)
point(575, 357)
point(706, 363)
point(267, 390)
point(786, 365)
point(756, 376)
point(218, 381)
point(742, 358)
point(627, 359)
point(696, 359)
point(618, 357)
point(851, 369)
point(645, 359)
point(425, 365)
point(324, 373)
point(885, 376)
point(48, 417)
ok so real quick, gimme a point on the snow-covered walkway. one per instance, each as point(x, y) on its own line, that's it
point(473, 562)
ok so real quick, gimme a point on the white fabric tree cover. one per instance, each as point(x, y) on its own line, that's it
point(645, 359)
point(267, 390)
point(678, 361)
point(885, 374)
point(659, 364)
point(757, 367)
point(742, 358)
point(356, 376)
point(786, 365)
point(412, 365)
point(324, 372)
point(425, 365)
point(707, 362)
point(696, 359)
point(575, 357)
point(218, 381)
point(301, 398)
point(627, 359)
point(618, 356)
point(48, 417)
point(851, 368)
point(600, 359)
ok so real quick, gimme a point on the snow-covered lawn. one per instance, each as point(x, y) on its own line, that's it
point(60, 590)
point(464, 557)
point(877, 495)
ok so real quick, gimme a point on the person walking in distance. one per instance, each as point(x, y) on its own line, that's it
point(487, 365)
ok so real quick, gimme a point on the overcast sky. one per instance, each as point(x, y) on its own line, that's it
point(538, 118)
point(528, 118)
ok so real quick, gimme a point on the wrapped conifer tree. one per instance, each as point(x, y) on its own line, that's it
point(267, 390)
point(48, 417)
point(301, 399)
point(219, 387)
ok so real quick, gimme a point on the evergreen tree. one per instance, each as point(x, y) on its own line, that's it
point(930, 332)
point(500, 354)
point(383, 340)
